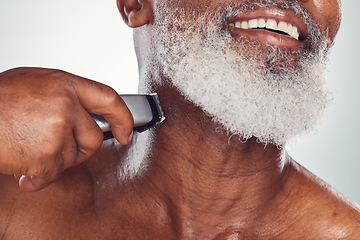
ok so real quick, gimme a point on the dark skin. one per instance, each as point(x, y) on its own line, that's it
point(197, 184)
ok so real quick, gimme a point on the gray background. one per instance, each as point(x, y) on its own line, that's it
point(88, 38)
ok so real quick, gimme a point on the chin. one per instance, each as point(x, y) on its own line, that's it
point(251, 88)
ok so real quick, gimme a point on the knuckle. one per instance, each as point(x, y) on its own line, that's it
point(63, 101)
point(57, 129)
point(50, 151)
point(93, 144)
point(111, 98)
point(61, 109)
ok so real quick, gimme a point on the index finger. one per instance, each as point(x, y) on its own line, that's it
point(101, 99)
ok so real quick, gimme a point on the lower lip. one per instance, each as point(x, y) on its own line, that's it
point(267, 37)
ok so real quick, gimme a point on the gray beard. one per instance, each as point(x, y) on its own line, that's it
point(260, 91)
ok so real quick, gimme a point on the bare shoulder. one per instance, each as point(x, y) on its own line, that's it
point(322, 210)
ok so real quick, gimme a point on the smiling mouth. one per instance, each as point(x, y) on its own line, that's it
point(271, 25)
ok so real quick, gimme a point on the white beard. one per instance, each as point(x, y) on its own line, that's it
point(247, 95)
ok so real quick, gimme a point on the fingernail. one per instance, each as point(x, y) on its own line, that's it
point(22, 177)
point(25, 183)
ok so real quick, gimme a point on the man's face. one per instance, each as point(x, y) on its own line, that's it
point(256, 67)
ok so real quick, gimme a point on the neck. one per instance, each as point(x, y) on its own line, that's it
point(207, 176)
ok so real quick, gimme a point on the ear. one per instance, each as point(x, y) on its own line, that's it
point(135, 13)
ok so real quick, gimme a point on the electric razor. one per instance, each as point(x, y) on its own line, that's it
point(145, 109)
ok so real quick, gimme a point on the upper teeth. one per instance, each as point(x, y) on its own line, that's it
point(268, 24)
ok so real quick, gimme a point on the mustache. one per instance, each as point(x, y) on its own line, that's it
point(252, 5)
point(213, 21)
point(316, 38)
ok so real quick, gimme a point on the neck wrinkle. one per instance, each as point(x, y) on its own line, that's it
point(205, 178)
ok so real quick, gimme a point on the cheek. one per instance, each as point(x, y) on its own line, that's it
point(327, 13)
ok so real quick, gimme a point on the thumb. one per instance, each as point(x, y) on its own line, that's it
point(33, 183)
